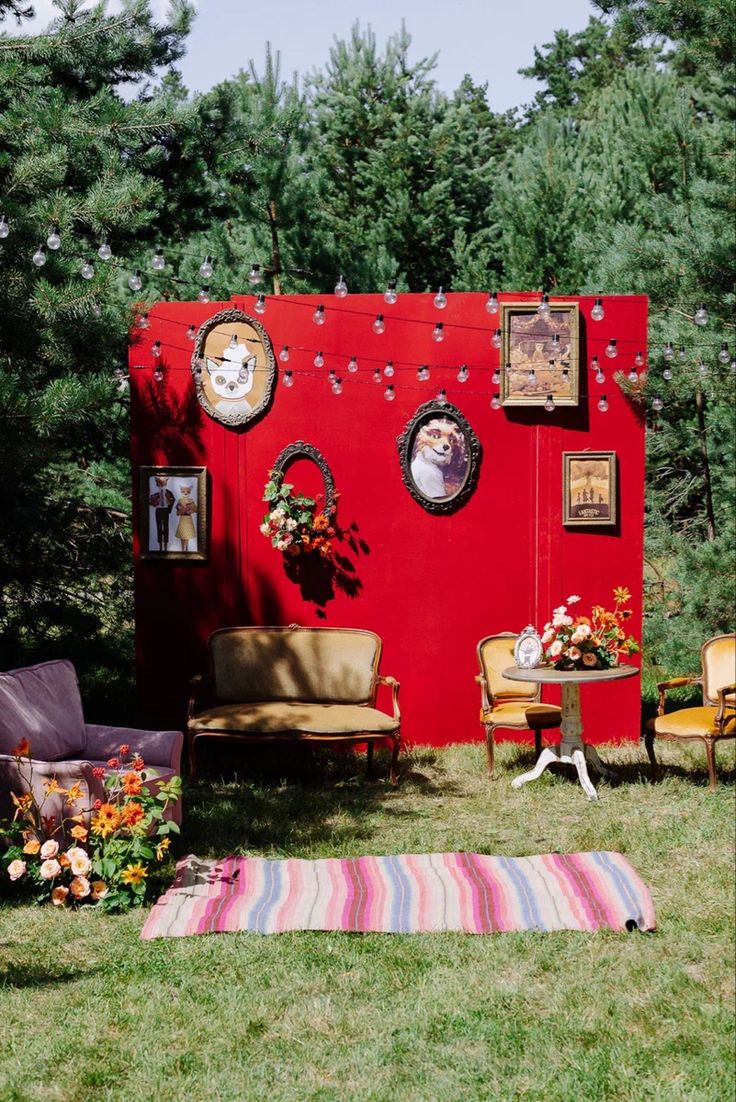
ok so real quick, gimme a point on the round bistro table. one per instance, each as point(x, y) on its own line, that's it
point(572, 750)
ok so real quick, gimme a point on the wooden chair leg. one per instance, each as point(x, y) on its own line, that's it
point(649, 744)
point(192, 757)
point(369, 759)
point(710, 753)
point(393, 774)
point(490, 748)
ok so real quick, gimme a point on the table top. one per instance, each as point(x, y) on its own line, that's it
point(548, 675)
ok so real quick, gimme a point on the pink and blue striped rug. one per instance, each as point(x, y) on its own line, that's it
point(411, 893)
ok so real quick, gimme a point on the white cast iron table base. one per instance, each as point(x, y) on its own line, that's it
point(572, 750)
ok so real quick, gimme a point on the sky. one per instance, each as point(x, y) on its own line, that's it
point(489, 39)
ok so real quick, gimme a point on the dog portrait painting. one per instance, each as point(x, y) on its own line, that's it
point(439, 452)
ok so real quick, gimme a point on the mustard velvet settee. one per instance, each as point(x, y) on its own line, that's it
point(268, 684)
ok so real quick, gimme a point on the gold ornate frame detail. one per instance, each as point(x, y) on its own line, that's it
point(556, 369)
point(238, 412)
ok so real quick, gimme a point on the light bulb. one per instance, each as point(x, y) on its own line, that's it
point(156, 349)
point(319, 360)
point(352, 365)
point(496, 401)
point(657, 404)
point(555, 342)
point(733, 367)
point(492, 303)
point(87, 270)
point(191, 333)
point(669, 352)
point(543, 307)
point(496, 339)
point(682, 354)
point(423, 373)
point(724, 355)
point(667, 373)
point(442, 397)
point(254, 275)
point(390, 295)
point(4, 227)
point(639, 359)
point(54, 239)
point(701, 315)
point(39, 257)
point(204, 293)
point(594, 363)
point(389, 393)
point(331, 376)
point(598, 313)
point(260, 305)
point(496, 376)
point(234, 340)
point(104, 252)
point(388, 370)
point(143, 322)
point(611, 350)
point(462, 375)
point(549, 405)
point(531, 376)
point(157, 261)
point(379, 324)
point(318, 317)
point(599, 376)
point(337, 387)
point(206, 269)
point(97, 310)
point(377, 375)
point(438, 333)
point(284, 354)
point(158, 374)
point(603, 404)
point(702, 368)
point(633, 375)
point(288, 379)
point(341, 287)
point(440, 299)
point(135, 282)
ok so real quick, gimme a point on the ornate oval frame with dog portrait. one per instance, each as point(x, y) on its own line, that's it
point(440, 457)
point(234, 368)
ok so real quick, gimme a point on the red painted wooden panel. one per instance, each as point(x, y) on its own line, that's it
point(430, 585)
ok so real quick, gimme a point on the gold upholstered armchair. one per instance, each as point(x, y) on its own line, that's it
point(511, 704)
point(715, 719)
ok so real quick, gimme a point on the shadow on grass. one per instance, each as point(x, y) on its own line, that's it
point(291, 800)
point(39, 975)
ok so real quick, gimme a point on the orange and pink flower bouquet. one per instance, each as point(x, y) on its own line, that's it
point(595, 642)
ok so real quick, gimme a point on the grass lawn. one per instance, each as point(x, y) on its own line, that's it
point(89, 1011)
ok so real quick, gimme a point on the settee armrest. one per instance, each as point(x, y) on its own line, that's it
point(200, 689)
point(155, 747)
point(673, 683)
point(394, 686)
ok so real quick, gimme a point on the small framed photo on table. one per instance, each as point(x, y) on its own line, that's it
point(540, 357)
point(173, 513)
point(588, 489)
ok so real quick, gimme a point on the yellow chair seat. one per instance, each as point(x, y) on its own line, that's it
point(285, 717)
point(518, 713)
point(692, 723)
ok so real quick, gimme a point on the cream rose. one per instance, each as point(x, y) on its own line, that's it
point(59, 895)
point(573, 600)
point(573, 654)
point(99, 889)
point(16, 869)
point(49, 869)
point(559, 611)
point(80, 887)
point(561, 621)
point(556, 648)
point(548, 636)
point(80, 866)
point(49, 849)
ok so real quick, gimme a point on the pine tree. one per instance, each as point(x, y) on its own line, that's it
point(74, 155)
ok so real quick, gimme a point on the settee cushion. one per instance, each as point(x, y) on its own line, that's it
point(284, 717)
point(332, 665)
point(42, 703)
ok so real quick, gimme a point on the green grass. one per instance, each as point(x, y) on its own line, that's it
point(91, 1012)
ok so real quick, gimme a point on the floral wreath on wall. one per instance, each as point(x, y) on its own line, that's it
point(297, 524)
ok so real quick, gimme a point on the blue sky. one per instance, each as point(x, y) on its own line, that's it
point(490, 39)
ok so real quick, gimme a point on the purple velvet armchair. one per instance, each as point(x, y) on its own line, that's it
point(42, 704)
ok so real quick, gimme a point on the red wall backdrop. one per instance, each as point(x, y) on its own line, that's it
point(430, 585)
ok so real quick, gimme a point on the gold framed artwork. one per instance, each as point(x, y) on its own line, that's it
point(540, 354)
point(234, 368)
point(173, 513)
point(588, 489)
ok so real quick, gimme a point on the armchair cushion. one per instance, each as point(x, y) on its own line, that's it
point(274, 717)
point(693, 723)
point(520, 714)
point(157, 748)
point(42, 703)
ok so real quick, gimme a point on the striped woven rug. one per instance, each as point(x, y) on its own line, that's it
point(410, 893)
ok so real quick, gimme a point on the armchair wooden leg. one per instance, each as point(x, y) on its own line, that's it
point(192, 757)
point(393, 774)
point(490, 749)
point(649, 744)
point(710, 753)
point(369, 759)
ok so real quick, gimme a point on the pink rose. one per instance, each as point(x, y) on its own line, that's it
point(49, 849)
point(80, 887)
point(49, 869)
point(16, 869)
point(80, 864)
point(556, 648)
point(573, 654)
point(59, 894)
